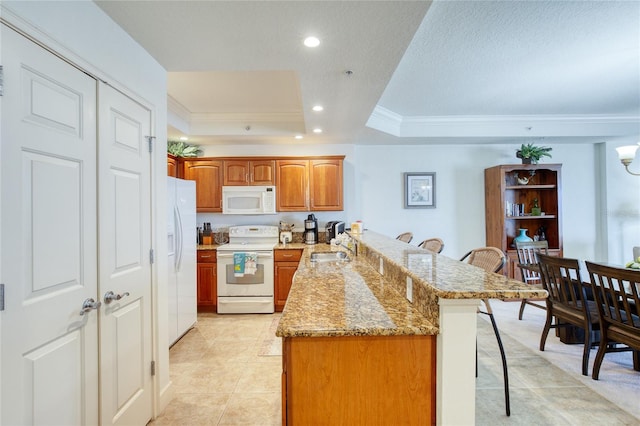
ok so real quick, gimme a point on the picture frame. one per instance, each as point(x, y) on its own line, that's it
point(419, 190)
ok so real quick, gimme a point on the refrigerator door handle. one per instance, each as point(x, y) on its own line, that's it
point(179, 238)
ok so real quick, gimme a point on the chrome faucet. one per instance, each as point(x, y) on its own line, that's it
point(353, 249)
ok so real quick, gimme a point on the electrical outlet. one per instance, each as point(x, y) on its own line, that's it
point(409, 289)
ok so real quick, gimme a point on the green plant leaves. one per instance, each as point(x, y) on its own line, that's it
point(182, 149)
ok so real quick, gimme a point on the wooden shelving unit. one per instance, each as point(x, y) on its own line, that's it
point(502, 190)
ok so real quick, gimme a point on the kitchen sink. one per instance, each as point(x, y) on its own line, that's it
point(330, 256)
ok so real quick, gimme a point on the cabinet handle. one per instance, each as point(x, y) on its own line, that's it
point(205, 257)
point(287, 255)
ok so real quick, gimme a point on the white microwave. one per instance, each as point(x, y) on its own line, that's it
point(248, 200)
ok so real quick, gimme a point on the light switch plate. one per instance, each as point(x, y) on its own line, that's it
point(409, 289)
point(381, 267)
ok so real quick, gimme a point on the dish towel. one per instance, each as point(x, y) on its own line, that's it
point(250, 263)
point(239, 262)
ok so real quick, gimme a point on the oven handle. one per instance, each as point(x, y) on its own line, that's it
point(261, 254)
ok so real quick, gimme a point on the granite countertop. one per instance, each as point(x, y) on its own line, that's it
point(448, 278)
point(353, 298)
point(346, 299)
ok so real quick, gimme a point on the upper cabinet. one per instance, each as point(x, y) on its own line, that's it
point(309, 184)
point(173, 166)
point(207, 172)
point(249, 172)
point(523, 196)
point(292, 192)
point(302, 183)
point(325, 185)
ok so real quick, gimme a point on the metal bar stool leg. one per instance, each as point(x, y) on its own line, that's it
point(504, 364)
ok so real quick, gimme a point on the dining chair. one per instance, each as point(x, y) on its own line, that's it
point(617, 294)
point(491, 259)
point(432, 244)
point(405, 237)
point(528, 263)
point(567, 301)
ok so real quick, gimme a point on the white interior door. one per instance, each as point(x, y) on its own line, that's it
point(124, 259)
point(48, 165)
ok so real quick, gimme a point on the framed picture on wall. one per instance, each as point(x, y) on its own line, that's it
point(419, 190)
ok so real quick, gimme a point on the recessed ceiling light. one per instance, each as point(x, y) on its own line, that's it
point(311, 42)
point(184, 138)
point(317, 130)
point(298, 136)
point(318, 108)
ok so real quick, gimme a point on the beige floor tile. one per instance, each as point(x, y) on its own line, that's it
point(260, 377)
point(260, 409)
point(194, 409)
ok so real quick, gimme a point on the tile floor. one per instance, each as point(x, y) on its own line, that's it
point(222, 377)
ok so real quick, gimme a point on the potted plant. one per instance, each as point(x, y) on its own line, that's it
point(531, 154)
point(181, 149)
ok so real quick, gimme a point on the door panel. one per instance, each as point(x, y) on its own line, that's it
point(125, 269)
point(49, 352)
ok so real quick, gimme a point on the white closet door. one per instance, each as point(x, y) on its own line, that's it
point(48, 165)
point(124, 259)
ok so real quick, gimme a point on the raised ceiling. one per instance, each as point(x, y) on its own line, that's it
point(421, 72)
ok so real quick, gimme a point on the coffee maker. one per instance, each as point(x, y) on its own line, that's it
point(311, 230)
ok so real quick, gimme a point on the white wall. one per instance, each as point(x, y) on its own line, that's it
point(82, 33)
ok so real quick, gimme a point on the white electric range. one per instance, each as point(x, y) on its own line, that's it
point(251, 292)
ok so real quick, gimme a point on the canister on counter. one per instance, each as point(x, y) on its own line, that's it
point(356, 227)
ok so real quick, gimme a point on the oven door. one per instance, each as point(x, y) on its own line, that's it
point(249, 294)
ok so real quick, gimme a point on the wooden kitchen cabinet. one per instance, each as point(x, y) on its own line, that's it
point(208, 176)
point(309, 184)
point(172, 165)
point(285, 266)
point(348, 380)
point(325, 185)
point(207, 281)
point(249, 172)
point(292, 192)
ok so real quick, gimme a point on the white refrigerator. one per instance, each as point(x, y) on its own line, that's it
point(181, 234)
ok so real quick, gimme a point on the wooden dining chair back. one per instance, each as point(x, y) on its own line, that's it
point(405, 237)
point(432, 244)
point(567, 301)
point(491, 259)
point(528, 263)
point(616, 291)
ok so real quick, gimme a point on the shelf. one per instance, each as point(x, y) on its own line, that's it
point(546, 216)
point(530, 187)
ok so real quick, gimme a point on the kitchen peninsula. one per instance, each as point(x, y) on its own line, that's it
point(357, 351)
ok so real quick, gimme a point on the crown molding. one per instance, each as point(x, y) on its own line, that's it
point(229, 124)
point(392, 123)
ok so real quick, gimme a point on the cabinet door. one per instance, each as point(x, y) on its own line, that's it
point(208, 177)
point(172, 166)
point(325, 185)
point(286, 264)
point(262, 172)
point(293, 185)
point(207, 283)
point(283, 275)
point(236, 172)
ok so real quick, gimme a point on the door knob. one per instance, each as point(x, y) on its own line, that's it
point(111, 296)
point(88, 305)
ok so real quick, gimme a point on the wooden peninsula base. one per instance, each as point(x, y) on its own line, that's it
point(359, 380)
